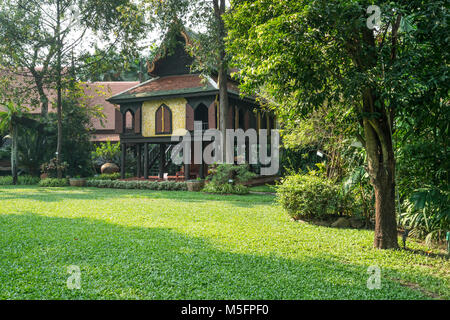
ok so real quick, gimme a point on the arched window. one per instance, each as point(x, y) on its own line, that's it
point(129, 121)
point(201, 114)
point(264, 121)
point(163, 120)
point(242, 119)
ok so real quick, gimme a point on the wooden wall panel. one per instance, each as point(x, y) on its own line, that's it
point(212, 116)
point(189, 117)
point(137, 121)
point(247, 120)
point(118, 121)
point(230, 117)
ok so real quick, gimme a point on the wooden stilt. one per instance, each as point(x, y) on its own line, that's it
point(139, 160)
point(202, 166)
point(123, 161)
point(162, 159)
point(187, 171)
point(146, 160)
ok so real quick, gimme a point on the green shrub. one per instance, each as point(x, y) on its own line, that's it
point(110, 176)
point(229, 173)
point(228, 179)
point(147, 185)
point(24, 180)
point(6, 181)
point(105, 176)
point(107, 152)
point(52, 183)
point(226, 188)
point(27, 180)
point(308, 195)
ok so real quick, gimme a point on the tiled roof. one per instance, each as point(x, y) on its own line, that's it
point(98, 92)
point(168, 86)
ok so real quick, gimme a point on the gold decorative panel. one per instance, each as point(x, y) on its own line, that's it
point(178, 108)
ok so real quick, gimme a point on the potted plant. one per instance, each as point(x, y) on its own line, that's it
point(195, 185)
point(77, 182)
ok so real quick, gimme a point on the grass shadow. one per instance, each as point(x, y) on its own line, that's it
point(122, 262)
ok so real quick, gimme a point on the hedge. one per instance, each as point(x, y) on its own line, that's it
point(146, 185)
point(24, 180)
point(53, 183)
point(226, 188)
point(109, 176)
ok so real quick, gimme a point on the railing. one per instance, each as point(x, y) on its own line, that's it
point(204, 126)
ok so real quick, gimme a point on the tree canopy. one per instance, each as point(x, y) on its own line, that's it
point(301, 55)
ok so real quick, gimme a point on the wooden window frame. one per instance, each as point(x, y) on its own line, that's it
point(164, 107)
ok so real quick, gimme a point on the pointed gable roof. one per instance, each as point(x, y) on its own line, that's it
point(172, 58)
point(172, 76)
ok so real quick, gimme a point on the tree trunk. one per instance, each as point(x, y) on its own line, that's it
point(381, 167)
point(223, 105)
point(59, 89)
point(14, 133)
point(59, 138)
point(385, 218)
point(44, 101)
point(219, 10)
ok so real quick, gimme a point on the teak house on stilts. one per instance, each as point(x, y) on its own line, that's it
point(167, 105)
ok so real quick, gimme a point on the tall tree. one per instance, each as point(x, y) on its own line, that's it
point(43, 39)
point(300, 55)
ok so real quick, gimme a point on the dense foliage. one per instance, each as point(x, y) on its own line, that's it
point(387, 83)
point(228, 179)
point(24, 180)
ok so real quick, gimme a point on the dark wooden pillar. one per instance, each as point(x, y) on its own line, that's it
point(146, 160)
point(202, 165)
point(162, 159)
point(187, 171)
point(123, 160)
point(247, 151)
point(187, 165)
point(139, 160)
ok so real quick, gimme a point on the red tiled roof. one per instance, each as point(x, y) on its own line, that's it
point(168, 86)
point(98, 92)
point(171, 83)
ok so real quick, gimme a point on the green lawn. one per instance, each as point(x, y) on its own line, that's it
point(133, 244)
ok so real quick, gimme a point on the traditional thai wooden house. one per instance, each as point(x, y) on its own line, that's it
point(168, 104)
